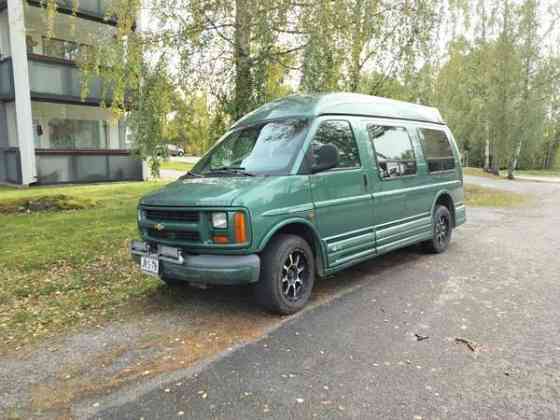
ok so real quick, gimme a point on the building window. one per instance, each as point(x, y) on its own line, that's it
point(338, 133)
point(78, 134)
point(437, 150)
point(393, 151)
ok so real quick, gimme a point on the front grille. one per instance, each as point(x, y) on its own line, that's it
point(172, 215)
point(174, 235)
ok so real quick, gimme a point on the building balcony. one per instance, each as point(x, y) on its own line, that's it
point(56, 80)
point(51, 80)
point(87, 9)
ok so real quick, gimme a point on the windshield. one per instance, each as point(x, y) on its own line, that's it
point(265, 149)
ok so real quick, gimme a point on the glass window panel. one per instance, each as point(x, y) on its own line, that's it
point(339, 133)
point(59, 79)
point(125, 168)
point(53, 169)
point(93, 7)
point(49, 79)
point(437, 150)
point(6, 78)
point(393, 150)
point(77, 134)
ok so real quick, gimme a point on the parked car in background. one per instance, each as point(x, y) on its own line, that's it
point(304, 187)
point(170, 150)
point(174, 150)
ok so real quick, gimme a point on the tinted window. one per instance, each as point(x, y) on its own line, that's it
point(339, 133)
point(437, 150)
point(393, 151)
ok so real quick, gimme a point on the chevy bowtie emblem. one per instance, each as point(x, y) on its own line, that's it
point(159, 227)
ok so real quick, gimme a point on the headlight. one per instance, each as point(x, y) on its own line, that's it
point(219, 220)
point(140, 214)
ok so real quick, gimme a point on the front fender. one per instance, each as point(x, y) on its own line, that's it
point(318, 243)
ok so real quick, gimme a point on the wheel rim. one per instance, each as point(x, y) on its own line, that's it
point(294, 276)
point(442, 230)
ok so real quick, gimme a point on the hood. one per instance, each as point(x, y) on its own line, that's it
point(214, 191)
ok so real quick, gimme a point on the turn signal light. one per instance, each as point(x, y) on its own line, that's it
point(240, 227)
point(221, 239)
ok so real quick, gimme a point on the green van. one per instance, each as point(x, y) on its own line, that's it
point(301, 188)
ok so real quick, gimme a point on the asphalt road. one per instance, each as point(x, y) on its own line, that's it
point(497, 290)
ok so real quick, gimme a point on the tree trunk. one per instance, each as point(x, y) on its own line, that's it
point(512, 165)
point(487, 153)
point(242, 59)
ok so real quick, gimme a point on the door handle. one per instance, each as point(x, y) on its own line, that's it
point(365, 180)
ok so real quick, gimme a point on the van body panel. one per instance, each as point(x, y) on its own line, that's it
point(343, 205)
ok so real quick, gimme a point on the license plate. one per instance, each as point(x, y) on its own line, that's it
point(150, 265)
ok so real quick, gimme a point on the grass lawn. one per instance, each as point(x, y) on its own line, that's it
point(476, 196)
point(177, 166)
point(539, 172)
point(480, 172)
point(63, 268)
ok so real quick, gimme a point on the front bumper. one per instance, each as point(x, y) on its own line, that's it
point(202, 269)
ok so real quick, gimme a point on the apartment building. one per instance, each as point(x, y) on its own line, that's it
point(48, 133)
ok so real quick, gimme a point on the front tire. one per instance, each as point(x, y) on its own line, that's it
point(442, 229)
point(287, 275)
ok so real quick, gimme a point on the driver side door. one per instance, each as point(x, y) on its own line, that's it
point(342, 203)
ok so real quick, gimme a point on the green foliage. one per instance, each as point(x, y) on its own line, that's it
point(200, 65)
point(149, 118)
point(497, 90)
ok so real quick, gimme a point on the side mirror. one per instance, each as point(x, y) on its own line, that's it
point(39, 129)
point(326, 157)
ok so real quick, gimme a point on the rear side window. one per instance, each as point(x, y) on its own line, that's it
point(339, 133)
point(437, 150)
point(393, 151)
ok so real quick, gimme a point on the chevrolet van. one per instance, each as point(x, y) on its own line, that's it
point(302, 188)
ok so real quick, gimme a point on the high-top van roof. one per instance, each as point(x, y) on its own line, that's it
point(307, 106)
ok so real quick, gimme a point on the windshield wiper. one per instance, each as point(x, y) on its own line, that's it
point(191, 174)
point(238, 170)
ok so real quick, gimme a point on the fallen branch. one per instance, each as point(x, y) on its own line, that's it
point(469, 343)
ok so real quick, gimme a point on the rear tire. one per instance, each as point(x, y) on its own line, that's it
point(287, 275)
point(442, 228)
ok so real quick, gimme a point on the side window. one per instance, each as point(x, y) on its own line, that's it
point(393, 151)
point(338, 133)
point(437, 150)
